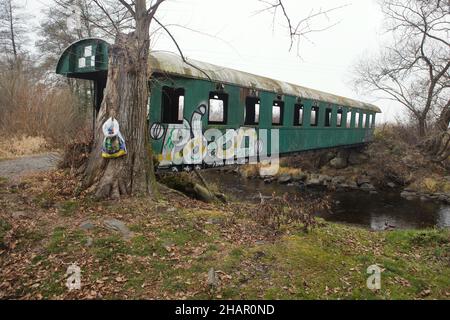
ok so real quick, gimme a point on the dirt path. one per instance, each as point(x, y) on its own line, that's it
point(15, 168)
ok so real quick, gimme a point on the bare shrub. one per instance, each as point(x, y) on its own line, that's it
point(288, 209)
point(310, 160)
point(33, 109)
point(22, 146)
point(395, 152)
point(403, 131)
point(77, 151)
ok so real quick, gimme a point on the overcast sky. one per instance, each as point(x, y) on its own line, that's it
point(250, 42)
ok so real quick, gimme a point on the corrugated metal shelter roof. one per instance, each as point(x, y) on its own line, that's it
point(172, 64)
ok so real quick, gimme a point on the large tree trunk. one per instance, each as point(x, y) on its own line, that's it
point(12, 31)
point(422, 127)
point(125, 98)
point(437, 145)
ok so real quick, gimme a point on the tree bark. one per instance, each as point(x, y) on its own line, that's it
point(13, 35)
point(125, 99)
point(422, 127)
point(444, 118)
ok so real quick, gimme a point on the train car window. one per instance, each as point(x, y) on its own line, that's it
point(314, 116)
point(180, 108)
point(356, 119)
point(298, 115)
point(328, 114)
point(339, 118)
point(364, 121)
point(349, 119)
point(218, 107)
point(277, 113)
point(172, 105)
point(252, 106)
point(371, 122)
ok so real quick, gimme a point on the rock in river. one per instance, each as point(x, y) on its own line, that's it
point(367, 187)
point(299, 177)
point(285, 178)
point(338, 163)
point(391, 185)
point(408, 195)
point(363, 180)
point(357, 158)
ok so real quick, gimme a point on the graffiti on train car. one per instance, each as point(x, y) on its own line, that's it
point(187, 144)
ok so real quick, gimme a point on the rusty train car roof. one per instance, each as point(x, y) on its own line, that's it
point(172, 64)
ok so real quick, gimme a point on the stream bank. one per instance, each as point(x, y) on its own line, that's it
point(377, 209)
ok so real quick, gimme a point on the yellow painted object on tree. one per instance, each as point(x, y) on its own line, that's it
point(114, 143)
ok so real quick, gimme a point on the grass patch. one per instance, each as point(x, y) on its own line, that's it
point(68, 208)
point(3, 181)
point(4, 227)
point(106, 249)
point(63, 240)
point(32, 237)
point(331, 263)
point(429, 238)
point(54, 285)
point(44, 200)
point(141, 246)
point(407, 238)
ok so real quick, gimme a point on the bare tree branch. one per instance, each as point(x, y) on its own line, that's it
point(152, 10)
point(414, 70)
point(298, 31)
point(101, 6)
point(129, 7)
point(179, 49)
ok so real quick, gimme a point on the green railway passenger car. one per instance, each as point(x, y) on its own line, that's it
point(196, 105)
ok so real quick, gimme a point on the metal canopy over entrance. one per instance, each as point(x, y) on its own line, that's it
point(86, 59)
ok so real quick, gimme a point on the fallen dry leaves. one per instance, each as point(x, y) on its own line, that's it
point(29, 270)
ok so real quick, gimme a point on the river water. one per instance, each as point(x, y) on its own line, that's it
point(374, 211)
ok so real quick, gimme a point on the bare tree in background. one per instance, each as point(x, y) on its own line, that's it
point(414, 69)
point(64, 22)
point(12, 29)
point(300, 29)
point(126, 95)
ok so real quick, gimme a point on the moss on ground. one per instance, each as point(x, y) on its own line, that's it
point(329, 262)
point(5, 226)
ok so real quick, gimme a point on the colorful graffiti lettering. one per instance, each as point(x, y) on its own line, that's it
point(186, 144)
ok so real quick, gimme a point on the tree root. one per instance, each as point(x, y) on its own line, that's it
point(437, 147)
point(219, 196)
point(166, 189)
